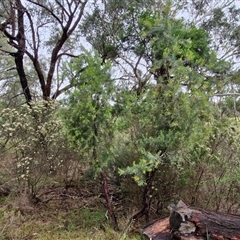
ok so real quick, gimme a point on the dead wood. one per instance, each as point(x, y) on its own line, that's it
point(187, 222)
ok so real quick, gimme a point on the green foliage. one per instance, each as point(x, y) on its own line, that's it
point(166, 114)
point(210, 165)
point(168, 118)
point(88, 116)
point(171, 40)
point(163, 126)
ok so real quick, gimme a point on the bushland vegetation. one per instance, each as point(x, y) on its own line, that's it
point(111, 110)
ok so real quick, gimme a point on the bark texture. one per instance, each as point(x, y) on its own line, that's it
point(187, 222)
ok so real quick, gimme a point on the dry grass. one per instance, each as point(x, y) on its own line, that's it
point(55, 221)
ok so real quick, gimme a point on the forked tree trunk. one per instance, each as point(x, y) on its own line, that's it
point(194, 223)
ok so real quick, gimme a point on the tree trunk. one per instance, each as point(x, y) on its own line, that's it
point(146, 202)
point(109, 202)
point(22, 76)
point(194, 223)
point(21, 45)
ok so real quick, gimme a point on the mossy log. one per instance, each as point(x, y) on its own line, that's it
point(189, 223)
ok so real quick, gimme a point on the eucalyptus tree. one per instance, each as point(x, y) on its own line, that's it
point(45, 33)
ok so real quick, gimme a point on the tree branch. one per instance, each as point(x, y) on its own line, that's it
point(67, 31)
point(69, 86)
point(48, 10)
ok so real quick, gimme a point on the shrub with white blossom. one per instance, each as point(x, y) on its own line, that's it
point(33, 138)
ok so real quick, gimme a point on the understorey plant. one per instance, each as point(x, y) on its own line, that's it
point(31, 138)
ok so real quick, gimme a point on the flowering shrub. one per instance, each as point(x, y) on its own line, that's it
point(33, 137)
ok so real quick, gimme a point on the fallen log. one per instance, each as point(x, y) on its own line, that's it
point(159, 229)
point(189, 223)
